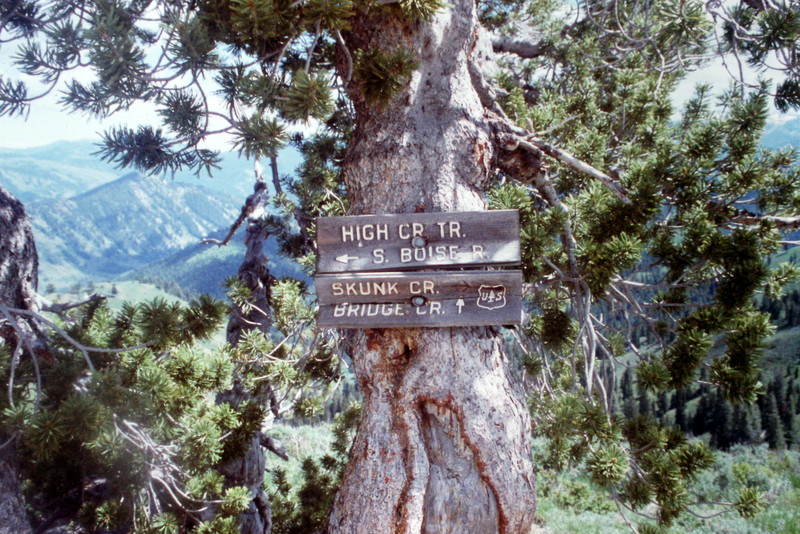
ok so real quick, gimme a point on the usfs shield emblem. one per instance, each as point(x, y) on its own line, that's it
point(491, 297)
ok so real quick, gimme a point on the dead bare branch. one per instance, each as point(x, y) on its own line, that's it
point(519, 47)
point(59, 308)
point(533, 143)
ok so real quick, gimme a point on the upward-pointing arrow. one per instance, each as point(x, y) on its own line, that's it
point(345, 258)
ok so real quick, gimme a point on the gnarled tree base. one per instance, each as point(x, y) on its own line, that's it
point(445, 440)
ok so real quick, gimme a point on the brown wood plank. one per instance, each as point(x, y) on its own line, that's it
point(417, 240)
point(429, 299)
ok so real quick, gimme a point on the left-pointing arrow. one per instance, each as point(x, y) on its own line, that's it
point(345, 258)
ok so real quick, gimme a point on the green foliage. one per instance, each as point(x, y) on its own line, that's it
point(219, 525)
point(567, 503)
point(289, 304)
point(383, 73)
point(257, 137)
point(675, 271)
point(653, 376)
point(421, 9)
point(764, 31)
point(306, 508)
point(235, 500)
point(144, 417)
point(608, 465)
point(308, 97)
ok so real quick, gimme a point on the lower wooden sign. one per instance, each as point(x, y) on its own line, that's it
point(433, 299)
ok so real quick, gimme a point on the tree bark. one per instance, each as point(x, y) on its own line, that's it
point(18, 283)
point(19, 263)
point(444, 444)
point(13, 519)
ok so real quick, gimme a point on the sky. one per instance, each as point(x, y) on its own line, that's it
point(717, 74)
point(47, 122)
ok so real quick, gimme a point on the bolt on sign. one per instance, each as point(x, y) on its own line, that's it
point(432, 298)
point(417, 240)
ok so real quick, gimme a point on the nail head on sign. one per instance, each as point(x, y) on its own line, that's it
point(417, 301)
point(418, 241)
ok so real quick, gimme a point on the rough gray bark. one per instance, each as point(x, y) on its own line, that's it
point(19, 262)
point(13, 519)
point(444, 445)
point(18, 283)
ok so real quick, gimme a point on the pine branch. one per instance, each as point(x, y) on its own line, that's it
point(60, 308)
point(510, 138)
point(347, 56)
point(85, 350)
point(747, 218)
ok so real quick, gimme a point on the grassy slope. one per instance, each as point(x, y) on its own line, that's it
point(129, 291)
point(301, 442)
point(570, 504)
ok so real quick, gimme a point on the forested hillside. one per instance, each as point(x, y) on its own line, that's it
point(93, 225)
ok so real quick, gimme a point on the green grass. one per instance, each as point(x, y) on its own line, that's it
point(569, 504)
point(783, 349)
point(775, 474)
point(563, 521)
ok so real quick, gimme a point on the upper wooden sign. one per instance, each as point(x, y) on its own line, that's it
point(417, 240)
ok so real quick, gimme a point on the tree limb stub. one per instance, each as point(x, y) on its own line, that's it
point(519, 47)
point(510, 138)
point(750, 219)
point(534, 144)
point(273, 445)
point(61, 307)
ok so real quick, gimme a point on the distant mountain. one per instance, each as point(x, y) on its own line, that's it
point(235, 175)
point(58, 170)
point(69, 168)
point(782, 135)
point(124, 225)
point(90, 224)
point(202, 268)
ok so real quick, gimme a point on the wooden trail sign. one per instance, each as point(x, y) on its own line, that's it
point(436, 299)
point(417, 240)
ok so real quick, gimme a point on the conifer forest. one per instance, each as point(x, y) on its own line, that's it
point(652, 384)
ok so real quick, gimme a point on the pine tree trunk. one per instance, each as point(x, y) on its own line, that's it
point(444, 444)
point(18, 281)
point(248, 468)
point(13, 519)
